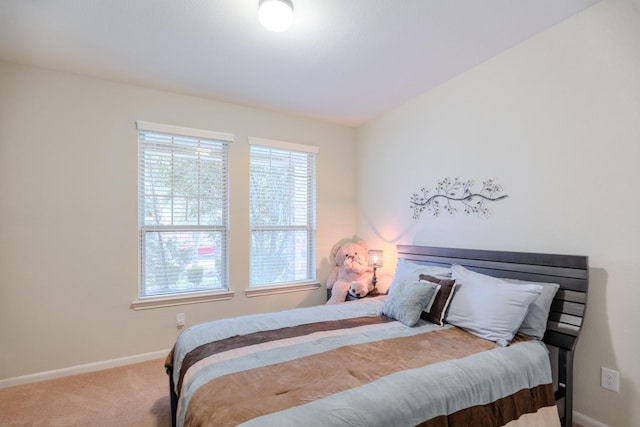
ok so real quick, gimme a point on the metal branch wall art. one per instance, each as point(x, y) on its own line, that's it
point(452, 194)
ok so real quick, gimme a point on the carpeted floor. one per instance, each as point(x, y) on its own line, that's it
point(133, 395)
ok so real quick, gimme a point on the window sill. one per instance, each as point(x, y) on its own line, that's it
point(173, 300)
point(259, 291)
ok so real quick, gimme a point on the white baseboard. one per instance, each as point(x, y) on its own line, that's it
point(81, 369)
point(585, 421)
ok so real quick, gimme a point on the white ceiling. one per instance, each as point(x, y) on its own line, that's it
point(344, 61)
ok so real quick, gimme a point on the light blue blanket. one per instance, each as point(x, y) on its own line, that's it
point(416, 394)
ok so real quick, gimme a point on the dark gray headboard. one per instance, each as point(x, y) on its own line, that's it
point(568, 308)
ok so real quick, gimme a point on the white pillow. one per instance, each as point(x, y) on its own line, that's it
point(411, 271)
point(535, 322)
point(488, 307)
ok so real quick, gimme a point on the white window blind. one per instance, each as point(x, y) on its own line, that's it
point(282, 212)
point(182, 209)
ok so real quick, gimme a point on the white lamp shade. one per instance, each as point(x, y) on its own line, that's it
point(376, 257)
point(275, 15)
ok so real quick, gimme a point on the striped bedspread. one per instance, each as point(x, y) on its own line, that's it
point(348, 365)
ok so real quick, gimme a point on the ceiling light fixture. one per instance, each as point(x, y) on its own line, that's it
point(275, 15)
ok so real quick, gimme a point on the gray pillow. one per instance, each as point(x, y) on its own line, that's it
point(407, 299)
point(535, 322)
point(411, 271)
point(489, 307)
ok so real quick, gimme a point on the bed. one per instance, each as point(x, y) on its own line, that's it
point(373, 363)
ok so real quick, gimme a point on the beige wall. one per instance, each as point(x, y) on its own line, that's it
point(556, 121)
point(68, 212)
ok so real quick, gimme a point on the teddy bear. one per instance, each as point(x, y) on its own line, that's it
point(360, 289)
point(351, 272)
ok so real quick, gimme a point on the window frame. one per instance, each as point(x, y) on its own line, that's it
point(310, 282)
point(185, 296)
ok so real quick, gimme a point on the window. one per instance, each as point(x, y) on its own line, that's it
point(282, 212)
point(182, 209)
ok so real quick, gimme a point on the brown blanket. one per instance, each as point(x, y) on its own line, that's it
point(238, 397)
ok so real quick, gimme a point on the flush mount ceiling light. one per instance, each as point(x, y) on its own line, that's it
point(275, 15)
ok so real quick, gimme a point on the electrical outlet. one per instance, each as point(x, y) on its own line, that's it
point(180, 320)
point(609, 379)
